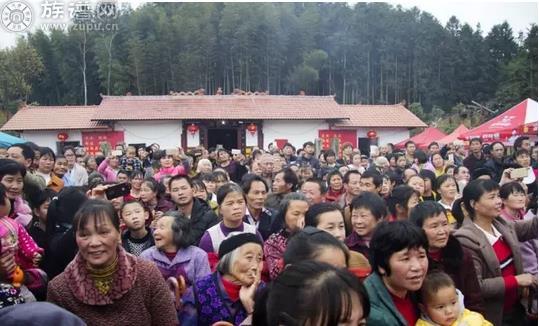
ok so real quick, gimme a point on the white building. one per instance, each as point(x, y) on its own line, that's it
point(231, 121)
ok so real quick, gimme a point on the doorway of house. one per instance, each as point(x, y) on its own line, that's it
point(227, 138)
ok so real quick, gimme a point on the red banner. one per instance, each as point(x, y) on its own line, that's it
point(92, 140)
point(343, 136)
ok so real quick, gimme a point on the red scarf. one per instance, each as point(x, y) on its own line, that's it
point(232, 290)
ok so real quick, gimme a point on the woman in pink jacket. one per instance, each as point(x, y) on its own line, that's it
point(166, 165)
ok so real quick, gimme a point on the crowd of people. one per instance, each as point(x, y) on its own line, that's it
point(445, 235)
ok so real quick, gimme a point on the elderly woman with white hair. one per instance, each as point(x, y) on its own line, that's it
point(228, 294)
point(204, 166)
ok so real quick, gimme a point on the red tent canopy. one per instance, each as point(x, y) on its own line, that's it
point(425, 138)
point(454, 135)
point(516, 121)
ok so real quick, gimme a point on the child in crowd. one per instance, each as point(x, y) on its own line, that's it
point(15, 239)
point(442, 304)
point(130, 162)
point(138, 236)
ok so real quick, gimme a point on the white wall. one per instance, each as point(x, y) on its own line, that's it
point(386, 135)
point(166, 133)
point(49, 138)
point(296, 131)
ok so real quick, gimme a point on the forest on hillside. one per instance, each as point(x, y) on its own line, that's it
point(369, 53)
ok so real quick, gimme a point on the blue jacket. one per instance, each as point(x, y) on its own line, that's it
point(383, 310)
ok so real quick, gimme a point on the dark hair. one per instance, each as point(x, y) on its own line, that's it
point(458, 212)
point(376, 177)
point(247, 182)
point(433, 143)
point(26, 150)
point(476, 139)
point(306, 245)
point(408, 143)
point(38, 197)
point(309, 143)
point(320, 183)
point(279, 222)
point(521, 151)
point(47, 151)
point(428, 174)
point(329, 152)
point(123, 172)
point(132, 201)
point(96, 210)
point(491, 147)
point(180, 177)
point(2, 195)
point(216, 175)
point(312, 217)
point(400, 195)
point(181, 229)
point(155, 186)
point(136, 173)
point(458, 167)
point(198, 183)
point(68, 148)
point(332, 174)
point(443, 178)
point(473, 192)
point(289, 145)
point(309, 292)
point(420, 156)
point(510, 188)
point(432, 283)
point(391, 237)
point(371, 201)
point(478, 172)
point(518, 142)
point(347, 175)
point(10, 167)
point(290, 177)
point(425, 210)
point(226, 189)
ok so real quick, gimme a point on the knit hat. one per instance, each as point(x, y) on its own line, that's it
point(237, 241)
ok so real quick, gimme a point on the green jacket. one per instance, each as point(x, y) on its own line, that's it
point(383, 310)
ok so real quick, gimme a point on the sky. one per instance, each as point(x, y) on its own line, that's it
point(519, 14)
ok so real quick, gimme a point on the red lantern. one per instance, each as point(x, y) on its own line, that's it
point(62, 136)
point(371, 134)
point(252, 129)
point(193, 129)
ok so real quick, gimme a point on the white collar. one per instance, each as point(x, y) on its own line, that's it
point(491, 238)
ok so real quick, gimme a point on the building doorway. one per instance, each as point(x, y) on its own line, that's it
point(225, 137)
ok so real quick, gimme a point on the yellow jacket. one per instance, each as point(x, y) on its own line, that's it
point(467, 318)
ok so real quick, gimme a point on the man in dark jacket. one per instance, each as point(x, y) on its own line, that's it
point(476, 158)
point(308, 157)
point(197, 210)
point(495, 163)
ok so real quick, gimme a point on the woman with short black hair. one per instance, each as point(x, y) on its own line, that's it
point(399, 262)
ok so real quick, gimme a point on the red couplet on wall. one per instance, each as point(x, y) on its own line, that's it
point(92, 140)
point(343, 136)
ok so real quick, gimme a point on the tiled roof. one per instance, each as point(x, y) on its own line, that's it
point(379, 116)
point(224, 107)
point(53, 118)
point(262, 107)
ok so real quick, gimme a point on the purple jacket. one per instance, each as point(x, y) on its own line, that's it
point(191, 262)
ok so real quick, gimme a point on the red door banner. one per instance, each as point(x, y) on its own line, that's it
point(92, 140)
point(342, 135)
